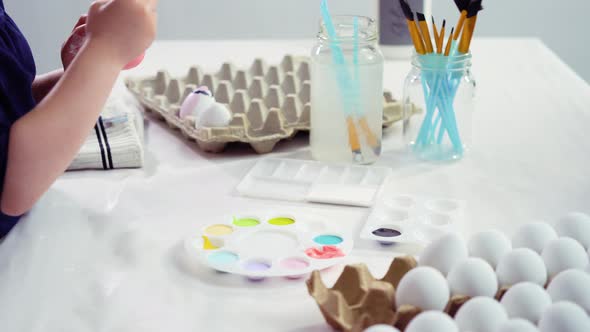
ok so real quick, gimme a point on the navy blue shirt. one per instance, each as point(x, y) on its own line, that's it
point(17, 72)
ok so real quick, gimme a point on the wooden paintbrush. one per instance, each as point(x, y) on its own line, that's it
point(413, 28)
point(435, 31)
point(462, 6)
point(441, 38)
point(449, 43)
point(425, 32)
point(467, 35)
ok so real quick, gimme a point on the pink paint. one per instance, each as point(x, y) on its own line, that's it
point(325, 252)
point(295, 263)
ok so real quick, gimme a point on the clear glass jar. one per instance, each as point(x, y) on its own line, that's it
point(438, 106)
point(347, 92)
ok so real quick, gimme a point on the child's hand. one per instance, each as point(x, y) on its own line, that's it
point(125, 27)
point(71, 47)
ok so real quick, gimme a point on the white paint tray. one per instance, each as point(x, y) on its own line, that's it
point(405, 218)
point(268, 103)
point(314, 182)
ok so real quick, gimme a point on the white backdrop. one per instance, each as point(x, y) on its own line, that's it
point(562, 27)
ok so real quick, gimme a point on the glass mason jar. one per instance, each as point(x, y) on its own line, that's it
point(347, 92)
point(438, 106)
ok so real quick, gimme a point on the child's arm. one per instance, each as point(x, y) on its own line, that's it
point(43, 143)
point(44, 83)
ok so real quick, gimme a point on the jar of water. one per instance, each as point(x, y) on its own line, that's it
point(347, 91)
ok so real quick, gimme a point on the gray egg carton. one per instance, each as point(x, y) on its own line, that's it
point(268, 103)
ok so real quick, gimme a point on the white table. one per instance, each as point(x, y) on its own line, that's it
point(98, 253)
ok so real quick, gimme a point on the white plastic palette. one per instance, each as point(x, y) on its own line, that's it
point(402, 218)
point(259, 245)
point(315, 182)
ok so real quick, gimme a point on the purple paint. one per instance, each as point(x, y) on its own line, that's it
point(257, 266)
point(386, 232)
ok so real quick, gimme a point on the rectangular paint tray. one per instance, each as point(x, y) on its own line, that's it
point(268, 103)
point(314, 182)
point(402, 218)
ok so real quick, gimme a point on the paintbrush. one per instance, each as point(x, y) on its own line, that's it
point(435, 31)
point(441, 38)
point(471, 18)
point(449, 43)
point(462, 6)
point(413, 28)
point(425, 32)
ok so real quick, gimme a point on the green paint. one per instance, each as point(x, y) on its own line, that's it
point(328, 240)
point(281, 221)
point(246, 222)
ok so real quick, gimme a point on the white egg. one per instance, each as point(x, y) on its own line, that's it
point(424, 288)
point(217, 115)
point(534, 236)
point(564, 254)
point(489, 246)
point(481, 314)
point(381, 328)
point(473, 277)
point(517, 325)
point(444, 252)
point(521, 265)
point(564, 317)
point(526, 300)
point(432, 321)
point(575, 225)
point(572, 286)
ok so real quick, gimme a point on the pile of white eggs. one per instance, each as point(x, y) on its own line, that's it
point(538, 255)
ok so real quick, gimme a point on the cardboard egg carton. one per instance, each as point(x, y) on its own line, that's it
point(268, 103)
point(358, 300)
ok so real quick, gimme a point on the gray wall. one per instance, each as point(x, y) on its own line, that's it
point(47, 23)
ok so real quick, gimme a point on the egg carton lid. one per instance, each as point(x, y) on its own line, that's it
point(268, 103)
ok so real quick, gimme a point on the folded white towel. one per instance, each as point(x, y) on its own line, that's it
point(117, 138)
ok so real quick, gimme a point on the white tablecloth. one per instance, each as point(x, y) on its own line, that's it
point(99, 252)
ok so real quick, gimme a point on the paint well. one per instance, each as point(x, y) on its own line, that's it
point(386, 232)
point(222, 258)
point(325, 252)
point(257, 266)
point(328, 240)
point(219, 230)
point(207, 245)
point(246, 222)
point(294, 263)
point(281, 221)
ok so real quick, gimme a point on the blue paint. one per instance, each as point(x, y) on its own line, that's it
point(222, 258)
point(328, 240)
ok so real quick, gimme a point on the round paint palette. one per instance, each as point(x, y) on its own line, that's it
point(268, 245)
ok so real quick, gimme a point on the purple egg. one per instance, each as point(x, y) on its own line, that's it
point(191, 104)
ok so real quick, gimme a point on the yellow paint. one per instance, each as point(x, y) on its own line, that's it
point(207, 245)
point(219, 230)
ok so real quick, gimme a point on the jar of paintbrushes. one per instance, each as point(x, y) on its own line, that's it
point(441, 85)
point(347, 90)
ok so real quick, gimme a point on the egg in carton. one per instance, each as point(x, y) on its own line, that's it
point(266, 103)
